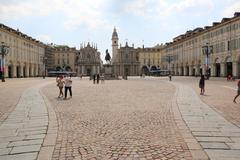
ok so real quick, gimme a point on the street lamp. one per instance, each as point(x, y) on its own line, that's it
point(44, 63)
point(4, 51)
point(207, 50)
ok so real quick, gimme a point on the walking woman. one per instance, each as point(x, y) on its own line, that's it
point(238, 92)
point(202, 84)
point(60, 83)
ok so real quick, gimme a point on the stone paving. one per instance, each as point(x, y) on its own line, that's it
point(11, 91)
point(147, 118)
point(219, 138)
point(23, 131)
point(118, 120)
point(219, 96)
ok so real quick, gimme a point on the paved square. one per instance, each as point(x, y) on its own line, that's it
point(138, 118)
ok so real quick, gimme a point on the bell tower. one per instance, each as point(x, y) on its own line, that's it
point(114, 44)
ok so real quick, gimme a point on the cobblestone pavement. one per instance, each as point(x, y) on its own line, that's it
point(130, 119)
point(219, 96)
point(11, 91)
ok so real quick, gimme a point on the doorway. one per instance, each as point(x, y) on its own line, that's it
point(218, 69)
point(229, 68)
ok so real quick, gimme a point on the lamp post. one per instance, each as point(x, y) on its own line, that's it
point(207, 50)
point(4, 51)
point(44, 63)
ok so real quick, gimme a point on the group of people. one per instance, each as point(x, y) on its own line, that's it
point(202, 87)
point(97, 77)
point(66, 83)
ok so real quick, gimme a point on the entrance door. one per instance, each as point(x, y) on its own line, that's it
point(193, 72)
point(88, 71)
point(229, 68)
point(9, 71)
point(217, 69)
point(187, 72)
point(24, 71)
point(126, 72)
point(201, 71)
point(18, 71)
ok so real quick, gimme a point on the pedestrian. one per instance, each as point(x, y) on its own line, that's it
point(94, 78)
point(202, 84)
point(68, 86)
point(102, 78)
point(60, 84)
point(98, 78)
point(238, 92)
point(170, 77)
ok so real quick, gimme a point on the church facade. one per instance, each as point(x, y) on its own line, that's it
point(125, 59)
point(88, 60)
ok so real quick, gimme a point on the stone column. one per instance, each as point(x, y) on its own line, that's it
point(179, 71)
point(235, 69)
point(93, 70)
point(184, 70)
point(27, 70)
point(37, 70)
point(82, 69)
point(213, 70)
point(203, 69)
point(5, 69)
point(190, 70)
point(175, 70)
point(32, 68)
point(222, 69)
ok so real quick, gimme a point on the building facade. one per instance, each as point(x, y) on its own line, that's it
point(125, 59)
point(25, 58)
point(65, 58)
point(50, 57)
point(213, 49)
point(126, 62)
point(88, 60)
point(150, 58)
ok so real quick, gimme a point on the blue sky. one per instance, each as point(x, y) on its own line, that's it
point(150, 22)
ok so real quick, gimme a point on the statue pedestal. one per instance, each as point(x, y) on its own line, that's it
point(108, 72)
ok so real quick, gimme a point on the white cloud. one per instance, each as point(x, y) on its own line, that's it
point(229, 11)
point(163, 8)
point(44, 38)
point(75, 12)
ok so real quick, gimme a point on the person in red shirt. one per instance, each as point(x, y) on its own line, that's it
point(238, 92)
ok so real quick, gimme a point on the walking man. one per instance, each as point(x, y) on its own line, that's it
point(238, 92)
point(68, 86)
point(202, 84)
point(98, 78)
point(94, 78)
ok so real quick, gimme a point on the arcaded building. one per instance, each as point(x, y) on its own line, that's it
point(213, 49)
point(88, 60)
point(150, 58)
point(25, 57)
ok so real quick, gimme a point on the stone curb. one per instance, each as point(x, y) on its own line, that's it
point(48, 145)
point(194, 147)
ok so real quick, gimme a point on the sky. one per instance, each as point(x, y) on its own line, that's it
point(148, 22)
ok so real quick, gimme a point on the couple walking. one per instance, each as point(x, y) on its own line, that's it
point(65, 82)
